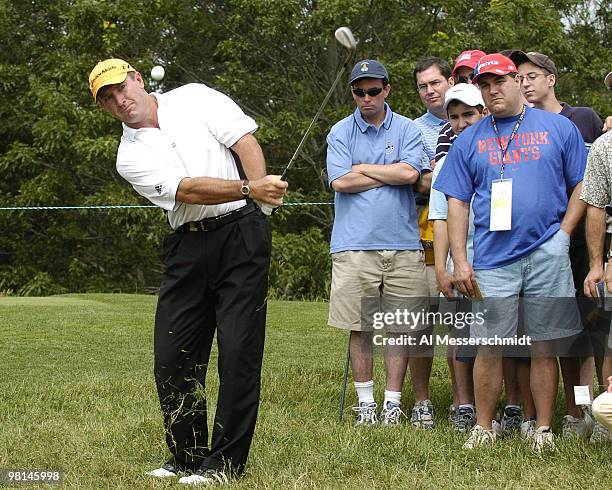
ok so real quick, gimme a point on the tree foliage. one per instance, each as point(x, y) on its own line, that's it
point(277, 58)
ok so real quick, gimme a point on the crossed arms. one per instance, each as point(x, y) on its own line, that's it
point(365, 176)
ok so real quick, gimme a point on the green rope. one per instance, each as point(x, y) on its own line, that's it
point(128, 206)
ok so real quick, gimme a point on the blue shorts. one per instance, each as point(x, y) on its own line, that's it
point(543, 283)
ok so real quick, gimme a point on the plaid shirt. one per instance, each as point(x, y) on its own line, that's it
point(597, 183)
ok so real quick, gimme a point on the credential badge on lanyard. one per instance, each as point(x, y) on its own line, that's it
point(501, 189)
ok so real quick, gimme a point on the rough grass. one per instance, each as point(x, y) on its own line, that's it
point(77, 394)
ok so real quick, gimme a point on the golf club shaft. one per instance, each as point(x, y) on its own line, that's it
point(316, 116)
point(266, 208)
point(345, 380)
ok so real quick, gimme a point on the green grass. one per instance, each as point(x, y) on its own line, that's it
point(77, 394)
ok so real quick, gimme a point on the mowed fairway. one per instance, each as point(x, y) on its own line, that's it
point(77, 394)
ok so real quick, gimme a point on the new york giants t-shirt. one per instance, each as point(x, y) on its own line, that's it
point(545, 159)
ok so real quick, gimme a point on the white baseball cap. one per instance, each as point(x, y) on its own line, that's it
point(463, 92)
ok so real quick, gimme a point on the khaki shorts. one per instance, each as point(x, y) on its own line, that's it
point(378, 280)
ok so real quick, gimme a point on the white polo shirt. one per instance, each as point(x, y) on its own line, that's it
point(197, 125)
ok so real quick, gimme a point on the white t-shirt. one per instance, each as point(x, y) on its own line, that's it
point(438, 210)
point(197, 125)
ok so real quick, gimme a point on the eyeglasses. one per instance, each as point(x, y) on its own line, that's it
point(530, 76)
point(372, 92)
point(434, 85)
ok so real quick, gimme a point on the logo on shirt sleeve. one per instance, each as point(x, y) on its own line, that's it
point(159, 188)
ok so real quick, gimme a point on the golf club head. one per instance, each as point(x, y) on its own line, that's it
point(345, 37)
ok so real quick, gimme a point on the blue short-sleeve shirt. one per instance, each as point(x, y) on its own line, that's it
point(546, 158)
point(383, 218)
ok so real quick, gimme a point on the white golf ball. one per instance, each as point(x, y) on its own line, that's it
point(157, 73)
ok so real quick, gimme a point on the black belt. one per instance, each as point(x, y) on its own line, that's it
point(212, 224)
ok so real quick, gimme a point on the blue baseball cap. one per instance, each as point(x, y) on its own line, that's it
point(368, 69)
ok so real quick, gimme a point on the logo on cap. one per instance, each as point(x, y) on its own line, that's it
point(364, 66)
point(108, 72)
point(488, 63)
point(496, 64)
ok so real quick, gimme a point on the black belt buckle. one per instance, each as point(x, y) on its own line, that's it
point(208, 224)
point(197, 226)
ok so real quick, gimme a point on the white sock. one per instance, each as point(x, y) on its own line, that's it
point(466, 405)
point(365, 391)
point(393, 397)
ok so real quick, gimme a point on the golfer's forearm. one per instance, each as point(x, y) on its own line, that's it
point(355, 182)
point(575, 210)
point(251, 156)
point(208, 190)
point(390, 174)
point(595, 234)
point(458, 215)
point(440, 243)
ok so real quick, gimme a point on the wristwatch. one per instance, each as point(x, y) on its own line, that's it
point(245, 189)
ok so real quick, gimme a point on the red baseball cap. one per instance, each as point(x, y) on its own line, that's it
point(496, 64)
point(468, 58)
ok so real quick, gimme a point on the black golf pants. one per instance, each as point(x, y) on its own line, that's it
point(212, 281)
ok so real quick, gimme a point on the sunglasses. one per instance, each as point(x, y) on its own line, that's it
point(372, 92)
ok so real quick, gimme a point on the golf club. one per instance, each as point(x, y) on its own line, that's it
point(345, 37)
point(344, 381)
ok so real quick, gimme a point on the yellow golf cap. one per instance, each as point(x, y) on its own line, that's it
point(108, 72)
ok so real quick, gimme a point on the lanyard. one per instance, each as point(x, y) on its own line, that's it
point(512, 135)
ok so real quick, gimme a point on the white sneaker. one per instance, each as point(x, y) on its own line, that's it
point(575, 427)
point(161, 473)
point(423, 415)
point(496, 426)
point(527, 429)
point(167, 470)
point(600, 434)
point(366, 414)
point(391, 414)
point(205, 477)
point(479, 436)
point(543, 439)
